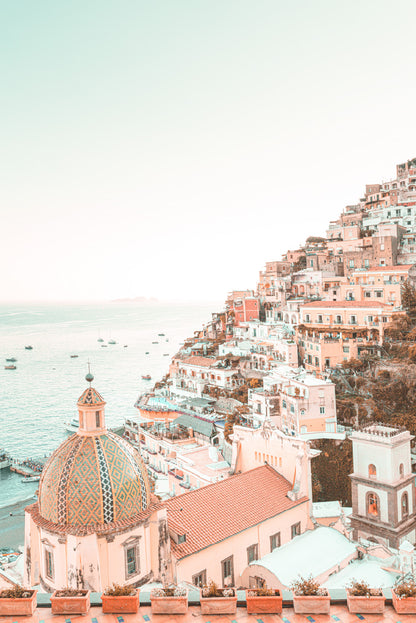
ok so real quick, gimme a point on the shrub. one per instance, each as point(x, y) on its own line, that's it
point(405, 588)
point(212, 590)
point(360, 588)
point(118, 590)
point(17, 592)
point(307, 587)
point(71, 592)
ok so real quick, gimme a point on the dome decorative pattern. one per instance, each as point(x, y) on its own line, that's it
point(93, 479)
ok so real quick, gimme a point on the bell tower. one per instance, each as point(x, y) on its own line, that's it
point(383, 486)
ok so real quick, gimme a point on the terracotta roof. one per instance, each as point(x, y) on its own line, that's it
point(200, 361)
point(216, 512)
point(376, 269)
point(352, 304)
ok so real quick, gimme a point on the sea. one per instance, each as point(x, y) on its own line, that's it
point(41, 395)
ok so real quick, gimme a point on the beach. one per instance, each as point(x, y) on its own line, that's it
point(12, 523)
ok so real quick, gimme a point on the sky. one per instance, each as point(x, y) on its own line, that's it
point(170, 148)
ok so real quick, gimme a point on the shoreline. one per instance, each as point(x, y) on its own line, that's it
point(12, 523)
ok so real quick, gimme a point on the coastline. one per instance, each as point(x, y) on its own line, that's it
point(12, 523)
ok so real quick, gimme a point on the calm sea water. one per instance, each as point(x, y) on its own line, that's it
point(41, 394)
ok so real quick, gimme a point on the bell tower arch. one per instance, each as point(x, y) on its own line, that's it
point(383, 489)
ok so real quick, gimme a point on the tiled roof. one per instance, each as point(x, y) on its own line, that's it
point(399, 267)
point(351, 304)
point(218, 511)
point(199, 361)
point(90, 397)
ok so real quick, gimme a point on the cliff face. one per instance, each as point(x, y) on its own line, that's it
point(383, 388)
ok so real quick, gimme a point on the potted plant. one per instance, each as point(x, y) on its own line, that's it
point(170, 599)
point(404, 596)
point(216, 600)
point(361, 598)
point(263, 600)
point(17, 601)
point(309, 597)
point(120, 599)
point(70, 601)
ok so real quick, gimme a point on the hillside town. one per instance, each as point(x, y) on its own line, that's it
point(225, 473)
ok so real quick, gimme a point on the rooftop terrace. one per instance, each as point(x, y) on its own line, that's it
point(339, 613)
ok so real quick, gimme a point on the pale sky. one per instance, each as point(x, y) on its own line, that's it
point(169, 148)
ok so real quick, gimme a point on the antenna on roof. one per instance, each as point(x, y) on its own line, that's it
point(89, 377)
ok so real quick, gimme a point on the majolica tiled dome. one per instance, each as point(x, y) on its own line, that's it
point(93, 477)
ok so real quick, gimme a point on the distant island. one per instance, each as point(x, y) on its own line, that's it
point(137, 299)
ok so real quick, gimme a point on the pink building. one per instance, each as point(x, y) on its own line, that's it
point(335, 331)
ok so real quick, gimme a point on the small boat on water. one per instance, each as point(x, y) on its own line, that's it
point(5, 459)
point(74, 356)
point(112, 342)
point(166, 354)
point(147, 352)
point(125, 345)
point(100, 339)
point(155, 342)
point(11, 367)
point(72, 426)
point(103, 345)
point(31, 479)
point(11, 359)
point(29, 347)
point(146, 377)
point(161, 334)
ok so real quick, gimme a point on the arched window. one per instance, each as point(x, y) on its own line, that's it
point(373, 505)
point(255, 456)
point(372, 471)
point(405, 505)
point(401, 470)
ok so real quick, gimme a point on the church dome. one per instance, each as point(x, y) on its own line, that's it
point(95, 476)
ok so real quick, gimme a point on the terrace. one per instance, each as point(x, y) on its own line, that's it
point(338, 612)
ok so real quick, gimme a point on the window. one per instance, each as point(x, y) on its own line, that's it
point(49, 567)
point(97, 419)
point(321, 409)
point(252, 553)
point(401, 470)
point(353, 319)
point(227, 568)
point(320, 318)
point(284, 404)
point(372, 471)
point(373, 506)
point(405, 505)
point(275, 541)
point(292, 409)
point(131, 557)
point(295, 529)
point(351, 263)
point(346, 349)
point(370, 318)
point(200, 579)
point(379, 294)
point(338, 320)
point(131, 561)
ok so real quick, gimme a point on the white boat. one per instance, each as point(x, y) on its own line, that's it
point(31, 479)
point(112, 342)
point(5, 459)
point(72, 426)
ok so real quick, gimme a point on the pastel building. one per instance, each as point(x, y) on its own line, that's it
point(306, 402)
point(332, 332)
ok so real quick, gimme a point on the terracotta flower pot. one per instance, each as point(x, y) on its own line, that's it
point(169, 605)
point(18, 606)
point(361, 605)
point(219, 605)
point(79, 604)
point(124, 604)
point(263, 604)
point(311, 604)
point(406, 605)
